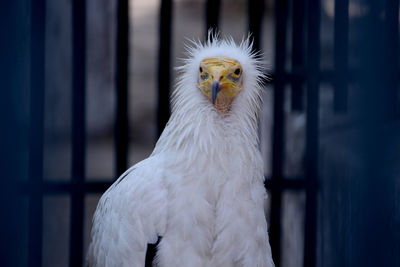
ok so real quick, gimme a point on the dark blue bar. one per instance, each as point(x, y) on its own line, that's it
point(375, 224)
point(78, 134)
point(311, 157)
point(255, 17)
point(281, 13)
point(164, 65)
point(15, 51)
point(212, 15)
point(38, 15)
point(54, 188)
point(341, 37)
point(164, 83)
point(298, 36)
point(392, 56)
point(121, 127)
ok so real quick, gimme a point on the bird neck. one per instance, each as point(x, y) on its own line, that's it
point(201, 127)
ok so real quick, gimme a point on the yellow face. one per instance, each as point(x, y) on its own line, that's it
point(220, 80)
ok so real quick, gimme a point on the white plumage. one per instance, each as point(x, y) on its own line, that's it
point(202, 187)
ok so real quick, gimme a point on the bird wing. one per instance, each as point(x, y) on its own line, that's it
point(130, 214)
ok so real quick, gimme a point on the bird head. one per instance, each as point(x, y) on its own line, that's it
point(220, 80)
point(219, 76)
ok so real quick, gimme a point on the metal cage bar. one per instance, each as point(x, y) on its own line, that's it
point(212, 15)
point(312, 115)
point(164, 85)
point(122, 68)
point(392, 56)
point(255, 12)
point(164, 65)
point(57, 188)
point(341, 41)
point(78, 135)
point(298, 36)
point(374, 236)
point(38, 22)
point(278, 128)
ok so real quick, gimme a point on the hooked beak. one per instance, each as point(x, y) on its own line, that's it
point(215, 88)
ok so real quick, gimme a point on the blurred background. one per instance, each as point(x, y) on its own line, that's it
point(85, 87)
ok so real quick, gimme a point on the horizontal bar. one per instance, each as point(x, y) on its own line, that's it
point(52, 187)
point(286, 184)
point(325, 76)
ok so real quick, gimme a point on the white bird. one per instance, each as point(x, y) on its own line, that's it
point(202, 188)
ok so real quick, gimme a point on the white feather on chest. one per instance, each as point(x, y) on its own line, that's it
point(214, 180)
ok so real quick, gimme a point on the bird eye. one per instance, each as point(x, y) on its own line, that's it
point(204, 76)
point(201, 69)
point(237, 71)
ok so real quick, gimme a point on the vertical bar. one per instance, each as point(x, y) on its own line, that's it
point(281, 12)
point(375, 216)
point(164, 65)
point(151, 253)
point(212, 15)
point(78, 136)
point(15, 72)
point(392, 55)
point(311, 160)
point(255, 16)
point(255, 10)
point(38, 24)
point(164, 85)
point(121, 127)
point(341, 40)
point(297, 53)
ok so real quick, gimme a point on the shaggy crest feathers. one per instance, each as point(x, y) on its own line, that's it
point(253, 72)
